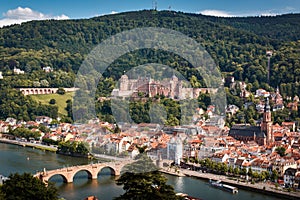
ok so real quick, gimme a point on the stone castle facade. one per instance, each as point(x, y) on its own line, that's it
point(172, 88)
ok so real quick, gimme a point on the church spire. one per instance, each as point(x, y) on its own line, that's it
point(267, 106)
point(266, 125)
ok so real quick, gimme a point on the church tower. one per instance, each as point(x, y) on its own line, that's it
point(266, 125)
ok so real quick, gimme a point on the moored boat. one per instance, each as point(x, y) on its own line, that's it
point(219, 184)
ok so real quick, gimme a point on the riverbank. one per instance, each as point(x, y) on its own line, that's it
point(266, 188)
point(172, 171)
point(29, 144)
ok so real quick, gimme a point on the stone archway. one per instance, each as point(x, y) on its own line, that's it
point(65, 179)
point(89, 174)
point(112, 170)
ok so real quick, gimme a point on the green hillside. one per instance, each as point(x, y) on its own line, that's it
point(237, 45)
point(60, 100)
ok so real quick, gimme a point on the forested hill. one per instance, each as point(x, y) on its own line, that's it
point(283, 27)
point(238, 45)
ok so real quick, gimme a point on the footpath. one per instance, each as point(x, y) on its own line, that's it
point(29, 144)
point(262, 187)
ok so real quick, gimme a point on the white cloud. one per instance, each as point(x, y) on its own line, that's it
point(221, 13)
point(113, 12)
point(102, 14)
point(217, 13)
point(268, 13)
point(19, 15)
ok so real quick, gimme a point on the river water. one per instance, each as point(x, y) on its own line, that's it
point(23, 159)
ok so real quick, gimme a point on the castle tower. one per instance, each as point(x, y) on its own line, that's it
point(124, 83)
point(266, 125)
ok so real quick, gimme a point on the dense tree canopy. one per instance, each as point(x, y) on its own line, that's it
point(27, 187)
point(14, 104)
point(142, 180)
point(237, 45)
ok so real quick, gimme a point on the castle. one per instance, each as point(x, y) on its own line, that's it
point(147, 87)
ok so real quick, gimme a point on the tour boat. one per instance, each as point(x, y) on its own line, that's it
point(219, 184)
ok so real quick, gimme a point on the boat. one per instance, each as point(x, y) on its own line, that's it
point(225, 187)
point(91, 198)
point(187, 197)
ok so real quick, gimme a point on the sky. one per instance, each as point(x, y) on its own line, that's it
point(17, 11)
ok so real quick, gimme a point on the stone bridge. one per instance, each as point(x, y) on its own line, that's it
point(92, 170)
point(31, 91)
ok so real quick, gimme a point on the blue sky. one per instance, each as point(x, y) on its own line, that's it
point(17, 11)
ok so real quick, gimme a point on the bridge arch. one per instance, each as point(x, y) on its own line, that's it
point(65, 179)
point(89, 173)
point(112, 170)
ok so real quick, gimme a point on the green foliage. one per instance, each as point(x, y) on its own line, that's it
point(61, 101)
point(61, 91)
point(52, 101)
point(237, 45)
point(280, 151)
point(142, 180)
point(274, 175)
point(49, 141)
point(43, 128)
point(14, 104)
point(22, 132)
point(73, 148)
point(25, 186)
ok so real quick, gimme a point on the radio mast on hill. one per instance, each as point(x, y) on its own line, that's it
point(154, 5)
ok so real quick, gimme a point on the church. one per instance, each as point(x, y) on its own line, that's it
point(262, 135)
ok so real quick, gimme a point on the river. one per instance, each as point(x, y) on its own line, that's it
point(23, 159)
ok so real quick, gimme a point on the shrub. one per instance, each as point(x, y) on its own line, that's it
point(52, 101)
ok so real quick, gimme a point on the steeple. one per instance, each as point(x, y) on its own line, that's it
point(267, 106)
point(266, 125)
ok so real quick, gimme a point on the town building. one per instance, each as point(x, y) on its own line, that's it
point(3, 179)
point(175, 149)
point(262, 134)
point(289, 177)
point(18, 71)
point(47, 69)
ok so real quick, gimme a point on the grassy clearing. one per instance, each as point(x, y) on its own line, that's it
point(60, 100)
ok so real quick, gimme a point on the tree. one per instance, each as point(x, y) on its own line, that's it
point(255, 175)
point(243, 171)
point(250, 172)
point(280, 151)
point(44, 83)
point(26, 133)
point(25, 186)
point(274, 175)
point(52, 101)
point(117, 129)
point(236, 171)
point(61, 91)
point(142, 180)
point(230, 170)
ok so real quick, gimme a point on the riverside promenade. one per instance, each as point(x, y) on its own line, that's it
point(267, 188)
point(29, 144)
